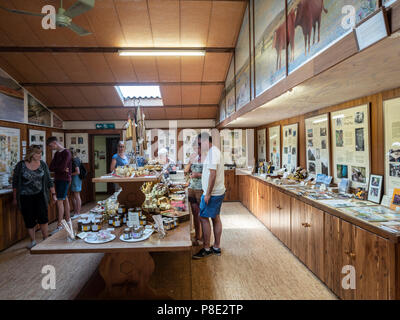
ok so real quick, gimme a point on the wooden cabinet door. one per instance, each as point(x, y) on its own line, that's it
point(284, 219)
point(370, 257)
point(315, 240)
point(266, 207)
point(275, 226)
point(299, 231)
point(334, 241)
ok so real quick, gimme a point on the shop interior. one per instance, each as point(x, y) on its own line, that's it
point(300, 97)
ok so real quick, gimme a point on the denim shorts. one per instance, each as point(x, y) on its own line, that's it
point(76, 184)
point(213, 208)
point(61, 189)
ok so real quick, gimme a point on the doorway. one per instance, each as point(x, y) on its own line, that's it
point(105, 146)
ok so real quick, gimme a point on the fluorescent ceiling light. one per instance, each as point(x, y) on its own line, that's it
point(161, 53)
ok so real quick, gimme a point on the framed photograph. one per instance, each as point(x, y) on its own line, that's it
point(395, 204)
point(351, 145)
point(375, 188)
point(274, 136)
point(290, 141)
point(392, 145)
point(318, 153)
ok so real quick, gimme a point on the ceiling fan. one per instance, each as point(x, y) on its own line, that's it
point(64, 17)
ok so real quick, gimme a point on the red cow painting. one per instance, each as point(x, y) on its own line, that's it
point(308, 17)
point(280, 42)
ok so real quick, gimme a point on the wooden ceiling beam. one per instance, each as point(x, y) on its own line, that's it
point(117, 108)
point(105, 84)
point(109, 49)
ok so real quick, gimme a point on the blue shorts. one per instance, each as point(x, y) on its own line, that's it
point(61, 189)
point(76, 184)
point(212, 209)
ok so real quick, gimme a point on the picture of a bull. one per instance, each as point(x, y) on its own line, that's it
point(308, 17)
point(280, 42)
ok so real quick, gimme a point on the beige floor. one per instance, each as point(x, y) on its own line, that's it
point(254, 265)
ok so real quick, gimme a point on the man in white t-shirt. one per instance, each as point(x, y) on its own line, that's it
point(213, 186)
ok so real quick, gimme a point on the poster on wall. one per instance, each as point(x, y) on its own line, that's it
point(60, 138)
point(274, 135)
point(190, 142)
point(350, 140)
point(392, 145)
point(242, 60)
point(314, 25)
point(37, 113)
point(270, 43)
point(38, 137)
point(166, 139)
point(239, 147)
point(11, 99)
point(261, 145)
point(226, 136)
point(317, 145)
point(230, 98)
point(290, 143)
point(79, 142)
point(9, 149)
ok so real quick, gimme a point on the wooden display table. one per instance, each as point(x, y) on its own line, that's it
point(131, 196)
point(126, 268)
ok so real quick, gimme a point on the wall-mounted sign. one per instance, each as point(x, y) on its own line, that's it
point(372, 30)
point(105, 125)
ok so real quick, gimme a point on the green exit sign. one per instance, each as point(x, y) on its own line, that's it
point(105, 125)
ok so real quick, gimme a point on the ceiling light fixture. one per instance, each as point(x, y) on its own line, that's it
point(161, 53)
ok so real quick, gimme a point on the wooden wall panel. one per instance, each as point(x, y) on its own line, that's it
point(192, 68)
point(145, 68)
point(171, 95)
point(169, 69)
point(121, 67)
point(216, 66)
point(135, 23)
point(24, 66)
point(195, 18)
point(48, 65)
point(210, 94)
point(191, 94)
point(226, 19)
point(73, 66)
point(164, 34)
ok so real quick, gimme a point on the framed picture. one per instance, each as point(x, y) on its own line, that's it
point(351, 145)
point(392, 145)
point(375, 188)
point(318, 154)
point(395, 204)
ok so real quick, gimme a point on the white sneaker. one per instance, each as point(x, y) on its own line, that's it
point(56, 230)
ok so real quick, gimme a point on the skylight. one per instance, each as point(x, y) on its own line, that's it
point(143, 92)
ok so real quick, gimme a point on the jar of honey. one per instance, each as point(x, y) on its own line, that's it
point(127, 234)
point(117, 221)
point(86, 226)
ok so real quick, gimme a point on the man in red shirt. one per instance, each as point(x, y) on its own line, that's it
point(61, 165)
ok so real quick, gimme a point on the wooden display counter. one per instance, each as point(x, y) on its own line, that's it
point(326, 240)
point(126, 267)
